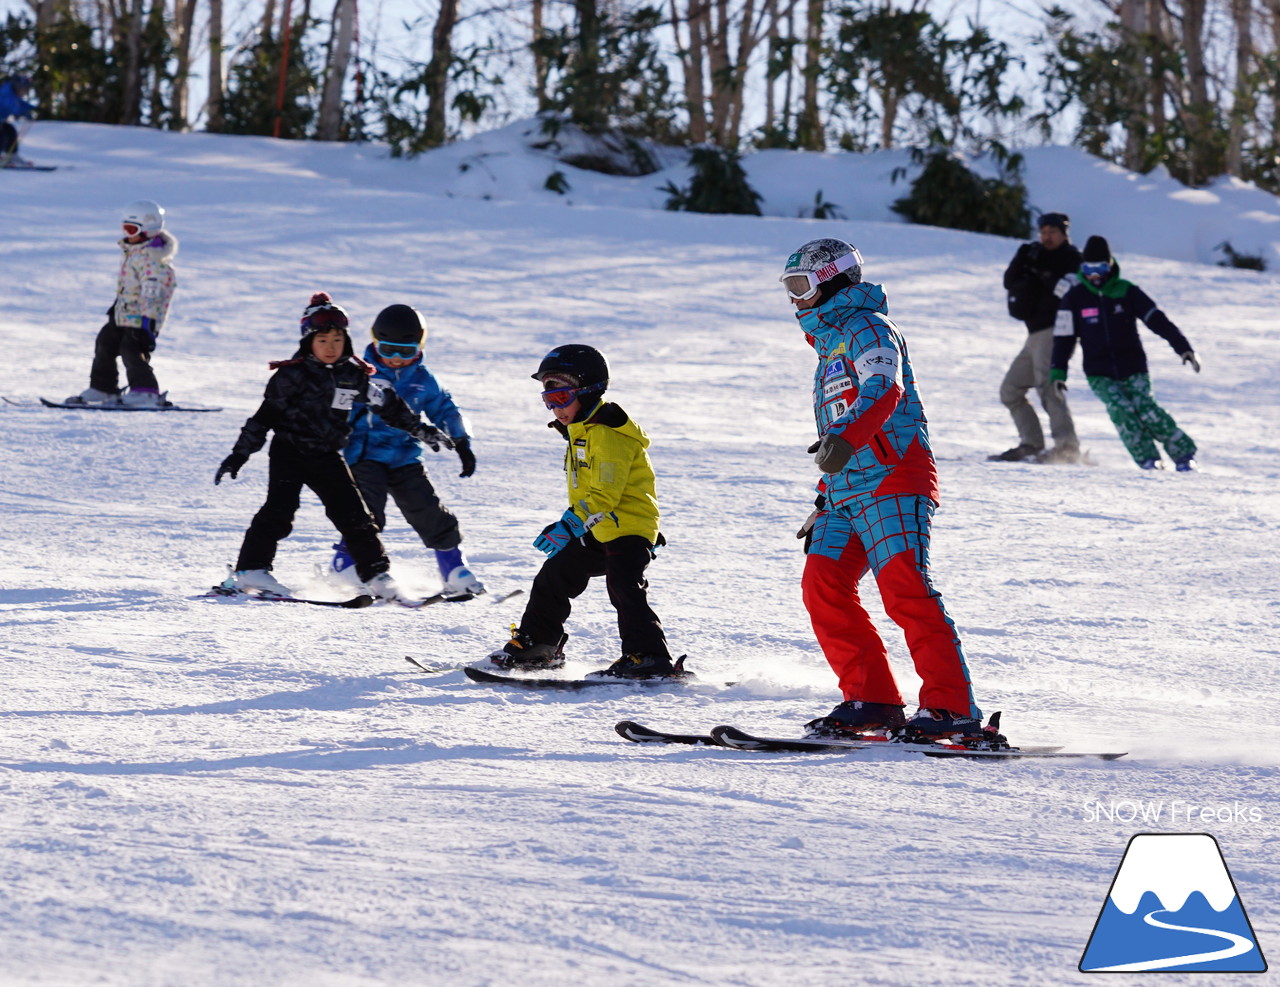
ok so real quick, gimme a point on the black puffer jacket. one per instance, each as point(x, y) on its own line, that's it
point(1033, 281)
point(308, 403)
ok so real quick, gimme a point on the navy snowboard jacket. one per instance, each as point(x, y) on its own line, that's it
point(1107, 327)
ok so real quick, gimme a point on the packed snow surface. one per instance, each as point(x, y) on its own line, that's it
point(205, 793)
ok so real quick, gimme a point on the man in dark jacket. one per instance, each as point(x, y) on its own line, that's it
point(1038, 276)
point(1102, 311)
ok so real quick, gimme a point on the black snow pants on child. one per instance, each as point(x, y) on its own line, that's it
point(133, 347)
point(413, 493)
point(327, 475)
point(565, 575)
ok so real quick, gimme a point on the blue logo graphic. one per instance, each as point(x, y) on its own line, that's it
point(1172, 908)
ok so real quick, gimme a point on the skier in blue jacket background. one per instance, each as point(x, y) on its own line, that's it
point(386, 461)
point(13, 105)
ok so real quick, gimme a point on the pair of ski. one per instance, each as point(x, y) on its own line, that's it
point(732, 737)
point(355, 603)
point(486, 677)
point(164, 405)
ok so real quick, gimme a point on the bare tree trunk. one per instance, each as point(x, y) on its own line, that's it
point(437, 87)
point(809, 131)
point(131, 110)
point(1134, 26)
point(269, 19)
point(789, 88)
point(1243, 102)
point(770, 84)
point(889, 104)
point(214, 102)
point(699, 22)
point(540, 66)
point(747, 41)
point(185, 15)
point(329, 122)
point(718, 59)
point(1197, 112)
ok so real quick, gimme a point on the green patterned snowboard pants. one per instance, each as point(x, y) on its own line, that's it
point(1139, 420)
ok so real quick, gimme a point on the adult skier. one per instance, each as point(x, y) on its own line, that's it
point(1102, 311)
point(385, 460)
point(144, 289)
point(875, 506)
point(1040, 274)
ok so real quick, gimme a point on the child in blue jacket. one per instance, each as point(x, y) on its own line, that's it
point(385, 460)
point(13, 105)
point(1102, 312)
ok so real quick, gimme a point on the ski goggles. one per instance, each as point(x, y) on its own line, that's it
point(560, 397)
point(803, 285)
point(326, 318)
point(1095, 269)
point(397, 351)
point(131, 229)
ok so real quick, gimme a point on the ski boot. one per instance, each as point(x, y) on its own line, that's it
point(521, 653)
point(342, 560)
point(940, 725)
point(383, 587)
point(1019, 453)
point(857, 718)
point(1187, 464)
point(644, 667)
point(91, 395)
point(259, 581)
point(1151, 464)
point(458, 582)
point(141, 397)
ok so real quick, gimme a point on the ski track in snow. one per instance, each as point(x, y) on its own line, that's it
point(211, 793)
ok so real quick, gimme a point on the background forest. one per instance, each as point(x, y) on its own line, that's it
point(1193, 85)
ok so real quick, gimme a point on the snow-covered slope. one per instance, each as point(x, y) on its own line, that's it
point(201, 793)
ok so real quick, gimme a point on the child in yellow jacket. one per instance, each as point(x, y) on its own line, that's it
point(610, 528)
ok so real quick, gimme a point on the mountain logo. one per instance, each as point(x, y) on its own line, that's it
point(1172, 908)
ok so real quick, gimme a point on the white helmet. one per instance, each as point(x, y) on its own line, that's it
point(818, 261)
point(148, 216)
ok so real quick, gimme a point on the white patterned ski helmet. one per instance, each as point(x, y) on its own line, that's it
point(817, 262)
point(146, 215)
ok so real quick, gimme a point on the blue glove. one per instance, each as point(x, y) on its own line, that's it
point(146, 334)
point(556, 536)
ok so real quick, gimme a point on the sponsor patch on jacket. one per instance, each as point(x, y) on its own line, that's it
point(837, 387)
point(834, 369)
point(882, 362)
point(1089, 313)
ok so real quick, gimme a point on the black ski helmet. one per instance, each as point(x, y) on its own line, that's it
point(399, 324)
point(584, 365)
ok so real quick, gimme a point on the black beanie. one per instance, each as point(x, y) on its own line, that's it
point(1060, 220)
point(1096, 249)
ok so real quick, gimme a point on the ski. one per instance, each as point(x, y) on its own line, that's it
point(28, 167)
point(729, 736)
point(640, 734)
point(355, 603)
point(118, 406)
point(528, 682)
point(435, 598)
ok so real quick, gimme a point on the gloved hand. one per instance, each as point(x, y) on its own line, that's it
point(146, 334)
point(431, 436)
point(1190, 357)
point(462, 447)
point(556, 536)
point(1058, 381)
point(232, 465)
point(833, 453)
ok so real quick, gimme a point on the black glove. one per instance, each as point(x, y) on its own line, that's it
point(833, 454)
point(145, 335)
point(430, 436)
point(462, 447)
point(232, 465)
point(1191, 358)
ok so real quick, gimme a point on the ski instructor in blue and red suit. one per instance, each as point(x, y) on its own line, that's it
point(875, 507)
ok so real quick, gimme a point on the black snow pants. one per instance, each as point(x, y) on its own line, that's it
point(328, 476)
point(565, 575)
point(131, 346)
point(411, 489)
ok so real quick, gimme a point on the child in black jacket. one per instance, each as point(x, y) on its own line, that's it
point(307, 403)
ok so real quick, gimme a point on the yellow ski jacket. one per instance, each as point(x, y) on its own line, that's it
point(607, 469)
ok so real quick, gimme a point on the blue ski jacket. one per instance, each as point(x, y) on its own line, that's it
point(372, 438)
point(11, 104)
point(864, 391)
